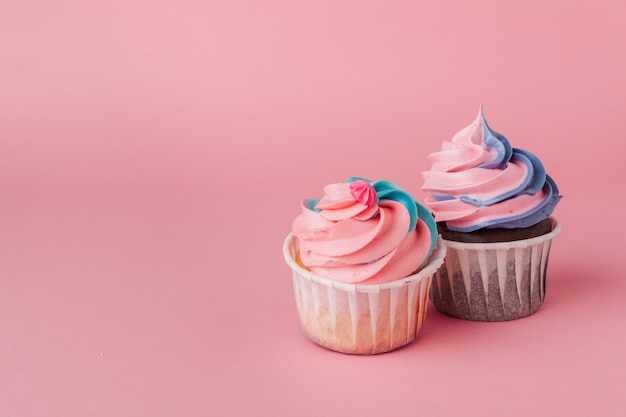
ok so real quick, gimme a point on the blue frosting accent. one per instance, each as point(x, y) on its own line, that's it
point(310, 203)
point(538, 171)
point(442, 197)
point(498, 142)
point(530, 218)
point(425, 215)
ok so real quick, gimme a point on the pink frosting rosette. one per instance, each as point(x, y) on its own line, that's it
point(356, 234)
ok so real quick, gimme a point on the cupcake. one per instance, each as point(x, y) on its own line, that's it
point(362, 259)
point(493, 205)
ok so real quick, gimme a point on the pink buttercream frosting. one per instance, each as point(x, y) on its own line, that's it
point(352, 237)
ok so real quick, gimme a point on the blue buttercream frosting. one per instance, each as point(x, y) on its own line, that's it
point(496, 141)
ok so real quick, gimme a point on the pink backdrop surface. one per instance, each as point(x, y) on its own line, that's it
point(153, 155)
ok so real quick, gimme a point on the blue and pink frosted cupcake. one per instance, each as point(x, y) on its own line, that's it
point(493, 205)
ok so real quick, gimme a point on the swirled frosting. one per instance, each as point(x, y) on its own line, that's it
point(477, 180)
point(364, 231)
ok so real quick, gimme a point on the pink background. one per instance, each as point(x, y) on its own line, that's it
point(153, 155)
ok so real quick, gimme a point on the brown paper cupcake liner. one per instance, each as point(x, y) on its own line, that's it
point(493, 281)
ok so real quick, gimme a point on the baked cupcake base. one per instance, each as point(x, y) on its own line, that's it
point(360, 318)
point(496, 235)
point(494, 281)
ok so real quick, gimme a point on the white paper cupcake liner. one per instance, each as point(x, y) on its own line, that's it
point(361, 318)
point(493, 281)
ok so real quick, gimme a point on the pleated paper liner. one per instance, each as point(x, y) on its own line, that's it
point(359, 318)
point(493, 281)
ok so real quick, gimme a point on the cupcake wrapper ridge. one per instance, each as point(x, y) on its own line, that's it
point(361, 318)
point(493, 281)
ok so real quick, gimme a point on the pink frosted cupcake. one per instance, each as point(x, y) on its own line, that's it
point(362, 259)
point(493, 206)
